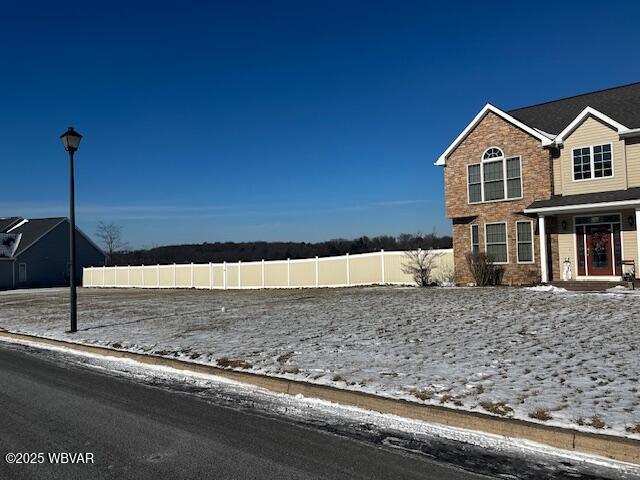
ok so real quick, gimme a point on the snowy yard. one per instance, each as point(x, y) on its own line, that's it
point(544, 356)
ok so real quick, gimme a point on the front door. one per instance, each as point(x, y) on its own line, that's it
point(599, 243)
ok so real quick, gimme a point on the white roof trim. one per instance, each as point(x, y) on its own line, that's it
point(544, 138)
point(634, 132)
point(584, 206)
point(19, 224)
point(589, 111)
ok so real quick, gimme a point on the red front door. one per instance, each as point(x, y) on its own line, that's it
point(600, 258)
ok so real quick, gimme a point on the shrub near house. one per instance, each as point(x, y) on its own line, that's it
point(548, 188)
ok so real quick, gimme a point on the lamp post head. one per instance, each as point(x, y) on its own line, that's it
point(70, 140)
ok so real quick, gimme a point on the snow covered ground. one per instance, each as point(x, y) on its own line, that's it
point(546, 356)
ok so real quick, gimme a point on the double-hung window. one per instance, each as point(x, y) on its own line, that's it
point(495, 237)
point(495, 178)
point(592, 162)
point(524, 241)
point(475, 239)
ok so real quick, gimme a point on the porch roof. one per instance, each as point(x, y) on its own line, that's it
point(587, 201)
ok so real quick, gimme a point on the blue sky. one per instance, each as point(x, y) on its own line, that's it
point(235, 120)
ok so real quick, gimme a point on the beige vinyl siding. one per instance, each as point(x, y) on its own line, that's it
point(557, 176)
point(567, 244)
point(303, 274)
point(629, 238)
point(593, 132)
point(275, 274)
point(633, 162)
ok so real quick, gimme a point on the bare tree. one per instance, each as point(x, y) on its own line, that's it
point(418, 264)
point(110, 235)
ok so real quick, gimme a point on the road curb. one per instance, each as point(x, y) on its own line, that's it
point(609, 446)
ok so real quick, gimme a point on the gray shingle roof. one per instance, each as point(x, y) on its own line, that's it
point(7, 223)
point(620, 103)
point(33, 230)
point(597, 197)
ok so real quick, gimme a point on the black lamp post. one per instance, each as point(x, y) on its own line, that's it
point(71, 141)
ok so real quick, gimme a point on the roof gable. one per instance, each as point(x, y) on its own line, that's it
point(589, 112)
point(545, 139)
point(621, 103)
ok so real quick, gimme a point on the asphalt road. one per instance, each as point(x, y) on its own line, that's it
point(136, 431)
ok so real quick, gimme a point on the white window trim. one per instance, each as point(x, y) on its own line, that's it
point(518, 242)
point(592, 163)
point(502, 159)
point(469, 185)
point(471, 231)
point(20, 265)
point(506, 239)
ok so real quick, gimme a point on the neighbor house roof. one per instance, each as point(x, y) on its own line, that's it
point(7, 223)
point(620, 103)
point(34, 229)
point(559, 203)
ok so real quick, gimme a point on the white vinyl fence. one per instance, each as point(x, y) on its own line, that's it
point(343, 271)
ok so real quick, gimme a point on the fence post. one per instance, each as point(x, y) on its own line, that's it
point(174, 276)
point(382, 263)
point(129, 276)
point(224, 275)
point(348, 272)
point(192, 284)
point(104, 276)
point(317, 273)
point(142, 275)
point(239, 275)
point(263, 273)
point(288, 272)
point(158, 279)
point(210, 276)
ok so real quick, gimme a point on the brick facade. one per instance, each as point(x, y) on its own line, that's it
point(537, 178)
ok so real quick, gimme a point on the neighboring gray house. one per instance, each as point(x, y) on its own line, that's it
point(35, 252)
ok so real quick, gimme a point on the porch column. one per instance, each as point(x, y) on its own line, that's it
point(543, 248)
point(637, 265)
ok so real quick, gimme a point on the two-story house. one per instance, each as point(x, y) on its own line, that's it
point(550, 191)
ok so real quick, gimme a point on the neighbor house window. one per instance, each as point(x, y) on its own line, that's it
point(524, 241)
point(495, 237)
point(475, 239)
point(592, 162)
point(22, 272)
point(495, 178)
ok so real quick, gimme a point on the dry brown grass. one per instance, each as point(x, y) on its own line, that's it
point(540, 415)
point(421, 394)
point(497, 408)
point(233, 363)
point(633, 428)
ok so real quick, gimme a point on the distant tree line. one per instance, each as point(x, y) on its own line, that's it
point(254, 251)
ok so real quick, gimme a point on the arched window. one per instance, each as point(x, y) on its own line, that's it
point(492, 153)
point(494, 178)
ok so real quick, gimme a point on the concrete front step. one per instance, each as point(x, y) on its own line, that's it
point(587, 285)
